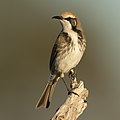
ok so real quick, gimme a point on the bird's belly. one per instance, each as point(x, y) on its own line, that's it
point(70, 60)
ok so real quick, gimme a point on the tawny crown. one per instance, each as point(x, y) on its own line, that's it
point(68, 14)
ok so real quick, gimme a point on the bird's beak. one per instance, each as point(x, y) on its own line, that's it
point(57, 17)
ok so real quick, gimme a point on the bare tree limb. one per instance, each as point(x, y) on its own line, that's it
point(74, 105)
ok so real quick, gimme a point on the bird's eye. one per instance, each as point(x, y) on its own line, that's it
point(73, 22)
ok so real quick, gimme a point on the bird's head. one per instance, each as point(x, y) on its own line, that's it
point(68, 20)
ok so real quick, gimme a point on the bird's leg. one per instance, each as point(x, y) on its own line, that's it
point(62, 77)
point(65, 84)
point(73, 81)
point(72, 76)
point(69, 91)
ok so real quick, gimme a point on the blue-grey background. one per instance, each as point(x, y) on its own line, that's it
point(27, 34)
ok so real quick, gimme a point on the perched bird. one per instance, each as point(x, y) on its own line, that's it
point(66, 53)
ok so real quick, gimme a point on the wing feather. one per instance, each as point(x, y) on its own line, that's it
point(61, 42)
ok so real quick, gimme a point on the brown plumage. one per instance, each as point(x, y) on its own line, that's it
point(66, 53)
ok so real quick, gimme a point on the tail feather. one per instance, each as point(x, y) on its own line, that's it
point(47, 94)
point(44, 97)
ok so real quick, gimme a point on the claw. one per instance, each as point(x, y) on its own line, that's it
point(72, 92)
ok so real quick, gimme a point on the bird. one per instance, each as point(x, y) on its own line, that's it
point(67, 52)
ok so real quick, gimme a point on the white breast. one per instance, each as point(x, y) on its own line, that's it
point(72, 57)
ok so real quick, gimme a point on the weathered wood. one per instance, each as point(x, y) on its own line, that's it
point(74, 105)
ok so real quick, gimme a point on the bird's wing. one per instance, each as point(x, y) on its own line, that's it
point(53, 57)
point(61, 42)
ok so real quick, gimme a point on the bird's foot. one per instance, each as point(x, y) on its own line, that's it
point(71, 91)
point(72, 74)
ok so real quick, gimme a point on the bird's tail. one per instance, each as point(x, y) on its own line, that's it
point(46, 96)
